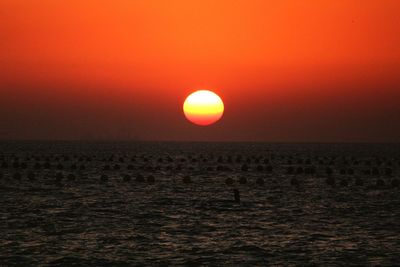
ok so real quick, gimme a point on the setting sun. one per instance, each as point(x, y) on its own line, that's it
point(203, 107)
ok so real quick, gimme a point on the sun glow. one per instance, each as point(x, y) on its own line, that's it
point(203, 107)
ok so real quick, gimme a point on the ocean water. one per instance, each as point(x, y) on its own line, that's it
point(96, 204)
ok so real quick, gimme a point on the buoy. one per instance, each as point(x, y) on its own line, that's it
point(380, 183)
point(359, 182)
point(126, 178)
point(242, 180)
point(178, 167)
point(229, 181)
point(47, 165)
point(186, 179)
point(330, 181)
point(151, 179)
point(106, 168)
point(71, 177)
point(104, 178)
point(59, 177)
point(309, 170)
point(17, 176)
point(31, 176)
point(139, 178)
point(244, 168)
point(344, 183)
point(294, 181)
point(268, 169)
point(299, 170)
point(260, 181)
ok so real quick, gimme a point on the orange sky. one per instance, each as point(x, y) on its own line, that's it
point(287, 70)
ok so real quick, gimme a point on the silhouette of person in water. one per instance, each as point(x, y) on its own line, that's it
point(236, 195)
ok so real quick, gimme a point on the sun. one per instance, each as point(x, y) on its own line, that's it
point(203, 107)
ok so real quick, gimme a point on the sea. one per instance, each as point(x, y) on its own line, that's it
point(76, 203)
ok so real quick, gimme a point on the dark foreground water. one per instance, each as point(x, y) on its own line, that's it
point(320, 205)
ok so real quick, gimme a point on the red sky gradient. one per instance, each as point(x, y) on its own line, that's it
point(287, 70)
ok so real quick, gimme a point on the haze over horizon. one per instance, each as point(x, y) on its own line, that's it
point(309, 71)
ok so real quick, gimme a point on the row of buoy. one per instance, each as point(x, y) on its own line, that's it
point(244, 167)
point(349, 171)
point(243, 180)
point(331, 181)
point(194, 160)
point(229, 161)
point(45, 165)
point(238, 159)
point(291, 170)
point(32, 176)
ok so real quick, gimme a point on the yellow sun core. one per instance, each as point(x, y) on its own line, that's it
point(203, 107)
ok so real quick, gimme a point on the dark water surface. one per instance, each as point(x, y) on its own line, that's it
point(295, 218)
